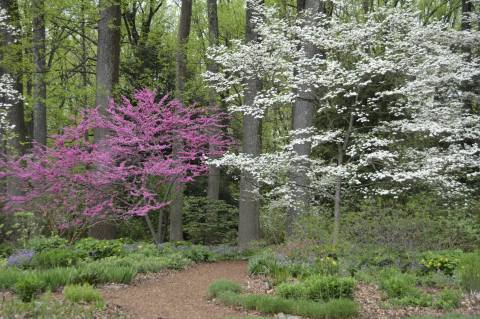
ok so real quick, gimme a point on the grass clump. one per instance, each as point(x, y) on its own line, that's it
point(57, 277)
point(221, 286)
point(83, 293)
point(57, 257)
point(9, 277)
point(319, 288)
point(228, 295)
point(469, 272)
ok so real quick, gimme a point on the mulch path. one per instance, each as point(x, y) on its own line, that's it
point(178, 295)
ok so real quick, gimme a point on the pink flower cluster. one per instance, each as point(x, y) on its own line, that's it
point(150, 146)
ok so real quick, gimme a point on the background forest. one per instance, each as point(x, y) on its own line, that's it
point(329, 142)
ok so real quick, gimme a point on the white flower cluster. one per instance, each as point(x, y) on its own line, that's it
point(8, 94)
point(389, 90)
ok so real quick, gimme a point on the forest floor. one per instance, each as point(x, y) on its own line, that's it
point(177, 295)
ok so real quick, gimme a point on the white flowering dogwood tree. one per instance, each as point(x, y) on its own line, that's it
point(393, 111)
point(8, 94)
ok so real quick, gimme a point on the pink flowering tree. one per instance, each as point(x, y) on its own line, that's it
point(130, 173)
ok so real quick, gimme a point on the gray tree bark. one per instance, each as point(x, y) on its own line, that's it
point(107, 73)
point(467, 9)
point(213, 188)
point(39, 84)
point(302, 118)
point(16, 142)
point(176, 210)
point(249, 211)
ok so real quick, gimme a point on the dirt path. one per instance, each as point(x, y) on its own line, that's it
point(178, 295)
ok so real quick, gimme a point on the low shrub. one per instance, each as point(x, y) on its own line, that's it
point(417, 299)
point(448, 299)
point(199, 254)
point(445, 261)
point(436, 279)
point(41, 244)
point(83, 293)
point(262, 264)
point(340, 308)
point(222, 285)
point(28, 286)
point(9, 276)
point(396, 284)
point(98, 249)
point(329, 287)
point(469, 272)
point(319, 288)
point(101, 272)
point(56, 257)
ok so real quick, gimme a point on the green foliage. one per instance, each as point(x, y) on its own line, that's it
point(222, 285)
point(319, 288)
point(447, 316)
point(209, 221)
point(448, 299)
point(262, 264)
point(469, 272)
point(55, 257)
point(9, 276)
point(340, 308)
point(445, 261)
point(83, 293)
point(41, 244)
point(57, 277)
point(421, 223)
point(50, 307)
point(436, 279)
point(98, 249)
point(101, 272)
point(6, 249)
point(199, 254)
point(396, 284)
point(416, 299)
point(28, 286)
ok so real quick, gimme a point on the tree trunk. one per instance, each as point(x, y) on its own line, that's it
point(338, 197)
point(249, 219)
point(15, 143)
point(467, 9)
point(108, 63)
point(176, 210)
point(39, 84)
point(302, 118)
point(213, 188)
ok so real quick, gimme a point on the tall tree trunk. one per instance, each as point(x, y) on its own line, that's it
point(249, 219)
point(213, 188)
point(15, 116)
point(176, 211)
point(39, 84)
point(108, 63)
point(302, 118)
point(467, 9)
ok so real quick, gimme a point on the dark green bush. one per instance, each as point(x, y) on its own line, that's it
point(209, 222)
point(199, 254)
point(28, 286)
point(222, 285)
point(98, 249)
point(56, 257)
